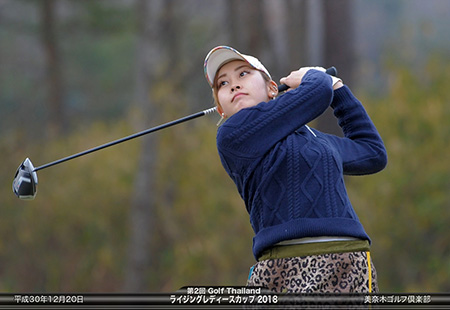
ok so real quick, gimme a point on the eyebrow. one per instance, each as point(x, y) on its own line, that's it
point(237, 69)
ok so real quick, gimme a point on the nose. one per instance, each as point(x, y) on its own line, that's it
point(236, 87)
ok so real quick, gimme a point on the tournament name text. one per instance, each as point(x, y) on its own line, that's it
point(233, 291)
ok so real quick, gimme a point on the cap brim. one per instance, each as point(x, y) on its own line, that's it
point(217, 58)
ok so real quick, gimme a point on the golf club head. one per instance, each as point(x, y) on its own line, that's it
point(25, 181)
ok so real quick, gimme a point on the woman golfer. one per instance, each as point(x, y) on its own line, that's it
point(307, 237)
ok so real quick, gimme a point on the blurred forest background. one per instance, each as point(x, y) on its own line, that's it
point(159, 212)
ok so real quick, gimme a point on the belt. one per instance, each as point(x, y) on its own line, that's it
point(315, 246)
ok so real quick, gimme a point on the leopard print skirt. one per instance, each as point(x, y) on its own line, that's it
point(328, 273)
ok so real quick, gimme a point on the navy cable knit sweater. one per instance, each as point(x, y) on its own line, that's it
point(291, 177)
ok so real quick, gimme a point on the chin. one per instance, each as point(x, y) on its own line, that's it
point(244, 105)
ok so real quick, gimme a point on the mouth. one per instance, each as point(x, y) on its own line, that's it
point(237, 96)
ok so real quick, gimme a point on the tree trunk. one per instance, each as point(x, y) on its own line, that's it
point(54, 77)
point(339, 40)
point(143, 206)
point(296, 30)
point(315, 32)
point(232, 23)
point(276, 44)
point(338, 51)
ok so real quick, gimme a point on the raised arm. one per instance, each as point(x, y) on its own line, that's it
point(252, 131)
point(362, 149)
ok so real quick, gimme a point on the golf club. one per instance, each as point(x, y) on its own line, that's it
point(25, 180)
point(331, 71)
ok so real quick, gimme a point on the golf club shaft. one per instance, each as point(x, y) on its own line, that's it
point(282, 87)
point(127, 138)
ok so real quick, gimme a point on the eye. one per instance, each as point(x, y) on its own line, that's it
point(221, 83)
point(244, 73)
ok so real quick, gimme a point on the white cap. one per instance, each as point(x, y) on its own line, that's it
point(221, 55)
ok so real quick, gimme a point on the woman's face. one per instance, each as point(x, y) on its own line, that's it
point(239, 85)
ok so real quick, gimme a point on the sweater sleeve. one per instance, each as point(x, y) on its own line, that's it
point(252, 131)
point(362, 149)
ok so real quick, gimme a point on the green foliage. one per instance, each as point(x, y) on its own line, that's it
point(72, 237)
point(205, 221)
point(204, 236)
point(405, 207)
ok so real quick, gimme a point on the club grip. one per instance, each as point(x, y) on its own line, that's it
point(331, 71)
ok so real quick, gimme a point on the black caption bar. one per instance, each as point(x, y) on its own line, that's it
point(228, 297)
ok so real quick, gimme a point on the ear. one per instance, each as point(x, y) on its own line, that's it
point(272, 89)
point(219, 109)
